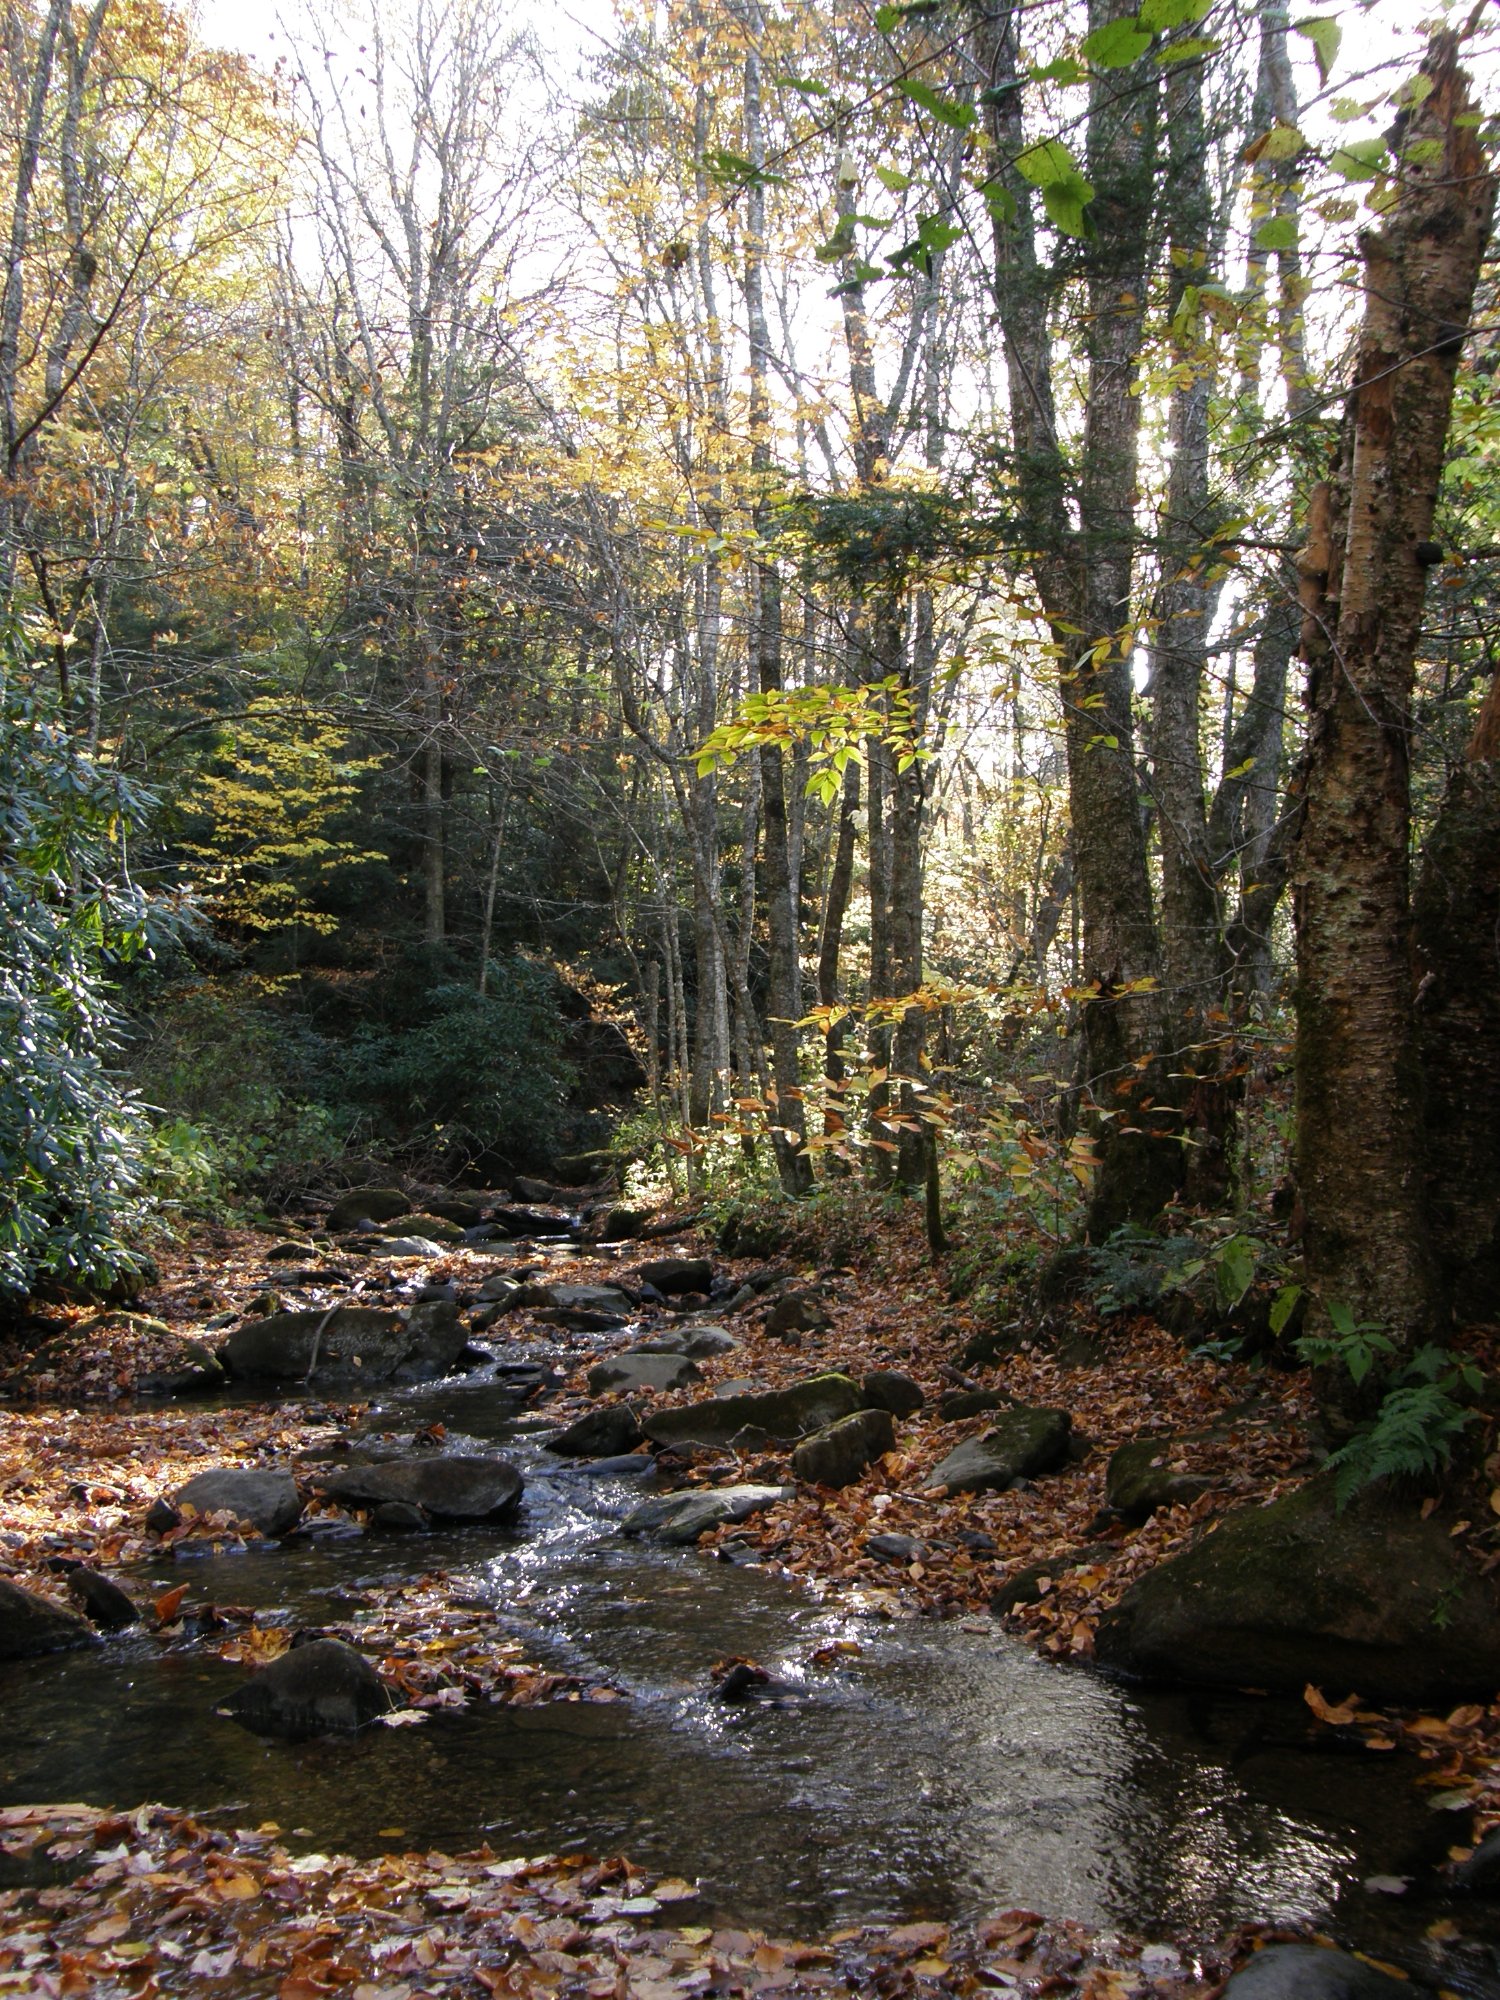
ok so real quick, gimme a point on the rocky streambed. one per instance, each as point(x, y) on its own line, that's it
point(804, 1763)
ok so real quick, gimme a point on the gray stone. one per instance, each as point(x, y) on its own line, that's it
point(498, 1285)
point(356, 1343)
point(324, 1688)
point(448, 1486)
point(438, 1337)
point(606, 1433)
point(367, 1205)
point(432, 1228)
point(405, 1246)
point(591, 1298)
point(530, 1222)
point(895, 1548)
point(1372, 1599)
point(753, 1422)
point(796, 1312)
point(680, 1518)
point(462, 1214)
point(961, 1403)
point(673, 1275)
point(890, 1389)
point(1479, 1875)
point(622, 1225)
point(632, 1371)
point(1023, 1442)
point(704, 1342)
point(1313, 1972)
point(844, 1451)
point(31, 1626)
point(263, 1498)
point(1141, 1477)
point(399, 1517)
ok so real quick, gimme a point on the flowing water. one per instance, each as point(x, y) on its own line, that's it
point(941, 1770)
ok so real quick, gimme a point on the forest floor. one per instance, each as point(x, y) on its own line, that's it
point(155, 1901)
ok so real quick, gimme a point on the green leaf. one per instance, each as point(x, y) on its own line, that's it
point(1066, 69)
point(1064, 202)
point(1282, 142)
point(999, 200)
point(1116, 45)
point(805, 86)
point(731, 170)
point(887, 20)
point(1325, 34)
point(1046, 163)
point(935, 234)
point(1360, 160)
point(1188, 51)
point(1159, 15)
point(947, 110)
point(1278, 233)
point(893, 179)
point(1282, 1308)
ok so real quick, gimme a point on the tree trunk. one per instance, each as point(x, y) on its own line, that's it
point(1358, 1104)
point(1457, 916)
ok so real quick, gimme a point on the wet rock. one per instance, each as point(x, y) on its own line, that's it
point(31, 1626)
point(1141, 1477)
point(104, 1603)
point(961, 1403)
point(399, 1517)
point(592, 1298)
point(634, 1370)
point(895, 1548)
point(530, 1222)
point(162, 1517)
point(1313, 1972)
point(367, 1205)
point(751, 1422)
point(607, 1433)
point(352, 1342)
point(498, 1285)
point(680, 1518)
point(323, 1688)
point(843, 1452)
point(891, 1389)
point(673, 1275)
point(1372, 1598)
point(1020, 1444)
point(266, 1499)
point(192, 1368)
point(1479, 1875)
point(628, 1465)
point(448, 1486)
point(796, 1312)
point(437, 1339)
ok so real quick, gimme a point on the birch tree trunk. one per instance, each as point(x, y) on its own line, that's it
point(1358, 1101)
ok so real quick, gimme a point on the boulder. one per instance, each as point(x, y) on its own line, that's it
point(323, 1688)
point(499, 1285)
point(367, 1205)
point(633, 1371)
point(404, 1246)
point(446, 1486)
point(680, 1518)
point(399, 1517)
point(350, 1343)
point(432, 1228)
point(262, 1498)
point(961, 1403)
point(592, 1298)
point(191, 1368)
point(1024, 1586)
point(1314, 1972)
point(1371, 1600)
point(704, 1342)
point(103, 1602)
point(31, 1626)
point(890, 1389)
point(1142, 1477)
point(1021, 1443)
point(530, 1222)
point(620, 1225)
point(796, 1312)
point(673, 1275)
point(752, 1422)
point(462, 1214)
point(607, 1433)
point(533, 1190)
point(841, 1453)
point(437, 1338)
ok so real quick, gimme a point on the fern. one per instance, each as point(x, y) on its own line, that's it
point(1412, 1437)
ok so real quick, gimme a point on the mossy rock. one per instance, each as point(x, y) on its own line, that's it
point(1019, 1444)
point(372, 1204)
point(431, 1228)
point(754, 1422)
point(1374, 1601)
point(1142, 1476)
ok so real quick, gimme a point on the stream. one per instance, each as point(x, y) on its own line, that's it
point(940, 1770)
